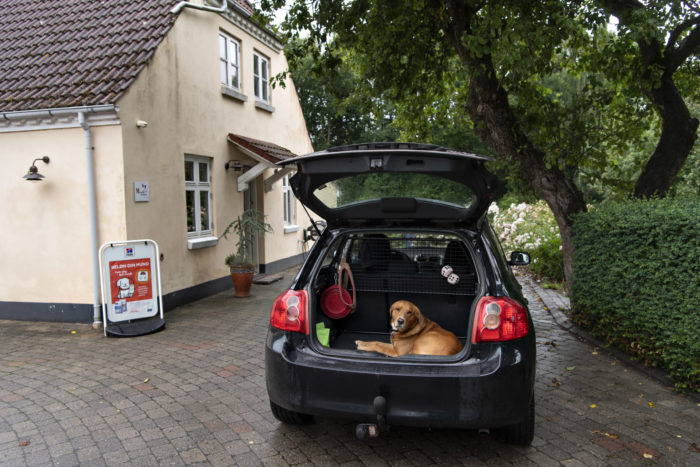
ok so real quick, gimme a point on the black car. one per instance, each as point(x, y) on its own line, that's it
point(405, 221)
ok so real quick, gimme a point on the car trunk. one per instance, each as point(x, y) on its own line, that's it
point(393, 265)
point(393, 210)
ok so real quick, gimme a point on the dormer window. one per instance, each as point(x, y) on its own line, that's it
point(261, 81)
point(229, 63)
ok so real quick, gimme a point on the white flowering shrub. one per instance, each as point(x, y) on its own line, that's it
point(531, 228)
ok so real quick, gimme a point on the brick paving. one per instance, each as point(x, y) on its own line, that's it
point(195, 394)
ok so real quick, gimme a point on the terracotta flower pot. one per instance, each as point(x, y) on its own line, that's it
point(242, 278)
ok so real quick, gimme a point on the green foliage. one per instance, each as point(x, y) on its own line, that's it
point(688, 181)
point(578, 90)
point(336, 108)
point(247, 227)
point(531, 228)
point(636, 270)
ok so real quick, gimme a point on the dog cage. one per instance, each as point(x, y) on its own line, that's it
point(411, 264)
point(435, 272)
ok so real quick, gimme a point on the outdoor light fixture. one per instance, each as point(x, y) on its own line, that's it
point(236, 165)
point(141, 124)
point(33, 173)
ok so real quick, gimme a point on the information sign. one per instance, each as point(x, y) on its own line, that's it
point(130, 281)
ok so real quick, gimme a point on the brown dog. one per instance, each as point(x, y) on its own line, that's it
point(414, 334)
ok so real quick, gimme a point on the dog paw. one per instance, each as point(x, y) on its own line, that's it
point(360, 345)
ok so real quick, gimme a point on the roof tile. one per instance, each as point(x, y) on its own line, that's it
point(269, 151)
point(75, 52)
point(62, 53)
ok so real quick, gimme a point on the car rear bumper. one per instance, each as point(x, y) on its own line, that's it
point(486, 392)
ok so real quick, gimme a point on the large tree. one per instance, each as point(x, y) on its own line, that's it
point(490, 58)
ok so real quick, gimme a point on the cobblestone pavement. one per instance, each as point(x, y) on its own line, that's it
point(195, 393)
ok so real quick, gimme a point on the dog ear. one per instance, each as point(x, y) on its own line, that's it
point(415, 309)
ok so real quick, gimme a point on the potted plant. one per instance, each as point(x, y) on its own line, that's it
point(246, 226)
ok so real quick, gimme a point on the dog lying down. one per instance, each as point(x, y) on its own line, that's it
point(413, 334)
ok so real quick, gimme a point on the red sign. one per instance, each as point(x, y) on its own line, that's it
point(131, 290)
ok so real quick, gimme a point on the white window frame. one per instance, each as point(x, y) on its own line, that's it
point(229, 60)
point(288, 203)
point(261, 77)
point(198, 186)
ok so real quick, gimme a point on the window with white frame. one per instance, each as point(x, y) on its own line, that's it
point(198, 195)
point(229, 53)
point(261, 81)
point(288, 200)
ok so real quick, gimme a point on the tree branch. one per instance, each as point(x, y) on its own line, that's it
point(678, 30)
point(689, 46)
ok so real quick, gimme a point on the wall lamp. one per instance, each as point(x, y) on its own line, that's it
point(235, 165)
point(33, 174)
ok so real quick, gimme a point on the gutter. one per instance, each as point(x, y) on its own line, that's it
point(92, 196)
point(58, 112)
point(177, 8)
point(224, 5)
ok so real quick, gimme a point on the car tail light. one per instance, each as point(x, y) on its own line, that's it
point(290, 311)
point(499, 319)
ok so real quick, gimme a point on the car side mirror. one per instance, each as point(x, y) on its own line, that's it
point(519, 258)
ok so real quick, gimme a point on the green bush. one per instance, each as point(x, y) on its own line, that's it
point(548, 260)
point(636, 282)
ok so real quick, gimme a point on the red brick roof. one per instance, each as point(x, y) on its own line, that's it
point(268, 151)
point(65, 53)
point(75, 52)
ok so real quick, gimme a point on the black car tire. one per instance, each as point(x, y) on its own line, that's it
point(290, 417)
point(521, 433)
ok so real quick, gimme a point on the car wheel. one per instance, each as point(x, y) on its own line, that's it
point(288, 416)
point(521, 433)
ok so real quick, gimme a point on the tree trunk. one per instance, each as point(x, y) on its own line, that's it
point(678, 127)
point(678, 134)
point(496, 124)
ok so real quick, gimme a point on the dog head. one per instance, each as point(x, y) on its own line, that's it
point(123, 283)
point(405, 316)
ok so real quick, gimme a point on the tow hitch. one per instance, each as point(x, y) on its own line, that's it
point(373, 430)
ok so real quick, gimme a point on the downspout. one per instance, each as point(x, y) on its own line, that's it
point(183, 4)
point(97, 312)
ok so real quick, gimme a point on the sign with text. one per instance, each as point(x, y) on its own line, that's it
point(129, 280)
point(142, 193)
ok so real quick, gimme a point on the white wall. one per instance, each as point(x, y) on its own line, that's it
point(46, 225)
point(179, 95)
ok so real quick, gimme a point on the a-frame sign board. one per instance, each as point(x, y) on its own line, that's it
point(131, 288)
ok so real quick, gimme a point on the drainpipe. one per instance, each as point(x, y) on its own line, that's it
point(96, 313)
point(183, 4)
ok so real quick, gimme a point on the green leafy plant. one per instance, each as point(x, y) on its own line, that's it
point(245, 226)
point(635, 282)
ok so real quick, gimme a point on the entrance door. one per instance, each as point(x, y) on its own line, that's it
point(250, 201)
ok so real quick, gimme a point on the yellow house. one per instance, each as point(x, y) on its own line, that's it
point(158, 120)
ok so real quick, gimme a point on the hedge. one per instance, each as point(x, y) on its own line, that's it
point(636, 282)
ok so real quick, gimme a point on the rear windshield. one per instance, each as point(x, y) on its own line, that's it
point(365, 187)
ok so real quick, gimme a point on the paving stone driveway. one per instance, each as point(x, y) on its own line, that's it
point(195, 393)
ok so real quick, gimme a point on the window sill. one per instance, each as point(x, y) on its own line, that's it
point(233, 93)
point(264, 106)
point(201, 242)
point(291, 228)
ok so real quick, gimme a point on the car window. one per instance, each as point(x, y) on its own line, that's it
point(369, 186)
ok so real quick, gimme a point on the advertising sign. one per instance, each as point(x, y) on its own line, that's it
point(132, 291)
point(130, 280)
